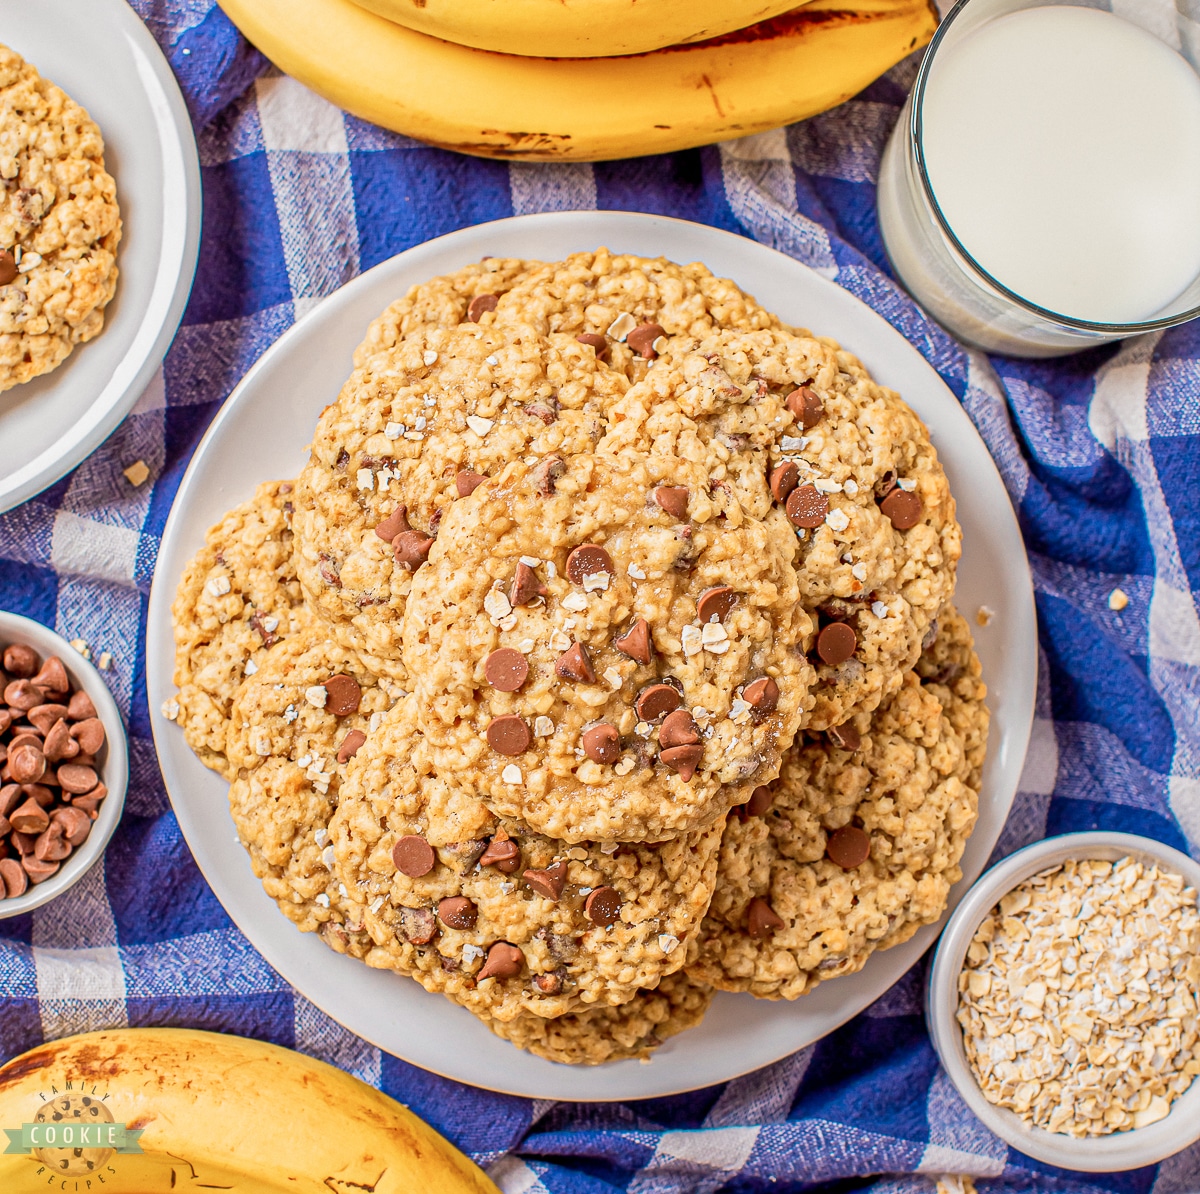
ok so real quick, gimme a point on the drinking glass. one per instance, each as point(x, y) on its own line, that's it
point(930, 260)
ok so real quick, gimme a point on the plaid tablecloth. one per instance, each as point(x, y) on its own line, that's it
point(1100, 452)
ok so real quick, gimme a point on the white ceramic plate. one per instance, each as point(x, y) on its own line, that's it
point(263, 431)
point(101, 55)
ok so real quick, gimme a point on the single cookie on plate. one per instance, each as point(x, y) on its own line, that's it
point(465, 296)
point(413, 430)
point(59, 224)
point(856, 845)
point(793, 423)
point(608, 650)
point(237, 597)
point(293, 727)
point(498, 918)
point(626, 308)
point(592, 1037)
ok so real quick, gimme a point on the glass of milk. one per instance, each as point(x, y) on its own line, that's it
point(1040, 193)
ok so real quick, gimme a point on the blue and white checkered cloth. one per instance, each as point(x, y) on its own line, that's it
point(1101, 455)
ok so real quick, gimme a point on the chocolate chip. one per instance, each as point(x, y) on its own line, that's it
point(411, 549)
point(457, 912)
point(502, 853)
point(21, 661)
point(576, 664)
point(60, 746)
point(393, 524)
point(44, 716)
point(350, 745)
point(342, 695)
point(525, 586)
point(76, 778)
point(89, 733)
point(466, 482)
point(848, 847)
point(760, 801)
point(678, 729)
point(715, 603)
point(656, 699)
point(506, 669)
point(75, 822)
point(762, 693)
point(548, 984)
point(545, 411)
point(52, 844)
point(806, 407)
point(503, 961)
point(635, 642)
point(418, 925)
point(413, 855)
point(479, 304)
point(683, 760)
point(23, 695)
point(37, 870)
point(13, 878)
point(603, 906)
point(599, 343)
point(42, 794)
point(836, 643)
point(902, 509)
point(807, 507)
point(602, 743)
point(27, 764)
point(642, 338)
point(585, 561)
point(885, 485)
point(845, 736)
point(52, 679)
point(549, 882)
point(762, 920)
point(508, 735)
point(29, 818)
point(673, 499)
point(8, 268)
point(547, 473)
point(783, 480)
point(91, 802)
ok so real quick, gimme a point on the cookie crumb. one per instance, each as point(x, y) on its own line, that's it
point(984, 615)
point(105, 661)
point(137, 474)
point(80, 645)
point(1118, 599)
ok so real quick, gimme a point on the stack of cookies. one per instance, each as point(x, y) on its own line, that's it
point(601, 656)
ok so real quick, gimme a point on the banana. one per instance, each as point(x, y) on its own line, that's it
point(575, 28)
point(218, 1112)
point(585, 109)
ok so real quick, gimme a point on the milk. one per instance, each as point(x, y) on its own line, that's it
point(1063, 147)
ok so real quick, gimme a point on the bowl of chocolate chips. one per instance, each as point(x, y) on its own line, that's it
point(63, 765)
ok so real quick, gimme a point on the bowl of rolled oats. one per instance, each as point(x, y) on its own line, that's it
point(1063, 1001)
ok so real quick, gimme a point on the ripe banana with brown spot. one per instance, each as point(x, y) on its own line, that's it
point(214, 1112)
point(585, 109)
point(575, 28)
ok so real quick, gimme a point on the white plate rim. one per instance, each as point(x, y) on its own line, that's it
point(887, 355)
point(179, 248)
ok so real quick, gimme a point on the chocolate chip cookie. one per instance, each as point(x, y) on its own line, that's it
point(793, 423)
point(414, 429)
point(294, 725)
point(238, 597)
point(857, 843)
point(499, 918)
point(608, 650)
point(59, 224)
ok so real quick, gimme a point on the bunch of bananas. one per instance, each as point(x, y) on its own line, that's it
point(583, 80)
point(213, 1112)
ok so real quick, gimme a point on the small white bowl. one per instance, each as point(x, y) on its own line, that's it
point(1129, 1149)
point(113, 763)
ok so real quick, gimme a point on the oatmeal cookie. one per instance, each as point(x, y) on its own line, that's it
point(59, 224)
point(498, 918)
point(293, 727)
point(855, 845)
point(794, 423)
point(444, 302)
point(413, 429)
point(238, 596)
point(608, 650)
point(623, 304)
point(592, 1037)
